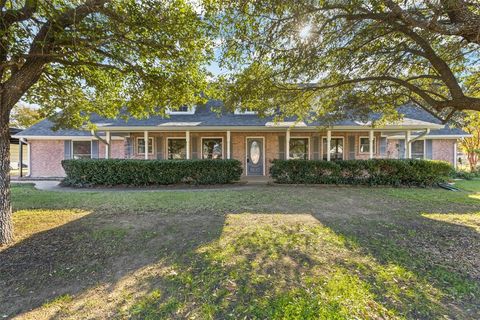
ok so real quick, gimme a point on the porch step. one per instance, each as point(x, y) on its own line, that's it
point(256, 180)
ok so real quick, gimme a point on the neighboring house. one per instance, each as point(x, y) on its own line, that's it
point(200, 133)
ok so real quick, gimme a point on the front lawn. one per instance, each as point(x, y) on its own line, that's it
point(262, 252)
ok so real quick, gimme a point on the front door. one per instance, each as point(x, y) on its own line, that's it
point(255, 156)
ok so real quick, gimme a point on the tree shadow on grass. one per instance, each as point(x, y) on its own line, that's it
point(317, 264)
point(414, 247)
point(308, 269)
point(95, 250)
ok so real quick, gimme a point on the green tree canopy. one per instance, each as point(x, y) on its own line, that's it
point(352, 56)
point(102, 56)
point(24, 116)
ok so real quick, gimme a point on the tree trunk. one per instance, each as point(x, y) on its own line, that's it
point(6, 225)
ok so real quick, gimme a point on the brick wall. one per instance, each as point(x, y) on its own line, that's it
point(117, 149)
point(46, 157)
point(442, 149)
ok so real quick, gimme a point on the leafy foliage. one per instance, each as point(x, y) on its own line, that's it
point(111, 172)
point(24, 116)
point(461, 174)
point(107, 56)
point(368, 172)
point(471, 145)
point(354, 57)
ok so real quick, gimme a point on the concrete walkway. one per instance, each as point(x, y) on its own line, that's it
point(49, 185)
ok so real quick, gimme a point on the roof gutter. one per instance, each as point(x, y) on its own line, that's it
point(261, 128)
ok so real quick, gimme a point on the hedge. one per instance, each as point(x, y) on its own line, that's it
point(111, 172)
point(392, 172)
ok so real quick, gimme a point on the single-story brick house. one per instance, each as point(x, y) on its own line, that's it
point(202, 132)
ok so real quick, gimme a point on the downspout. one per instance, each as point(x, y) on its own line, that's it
point(98, 137)
point(426, 132)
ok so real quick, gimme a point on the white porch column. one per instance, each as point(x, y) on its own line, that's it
point(228, 144)
point(455, 155)
point(370, 141)
point(187, 137)
point(107, 146)
point(145, 138)
point(408, 145)
point(287, 145)
point(329, 140)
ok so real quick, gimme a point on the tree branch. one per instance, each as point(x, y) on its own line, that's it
point(9, 17)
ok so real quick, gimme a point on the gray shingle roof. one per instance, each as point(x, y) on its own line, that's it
point(214, 115)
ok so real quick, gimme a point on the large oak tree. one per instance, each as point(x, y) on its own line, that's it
point(353, 56)
point(84, 56)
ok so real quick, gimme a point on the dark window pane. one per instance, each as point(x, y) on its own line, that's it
point(82, 149)
point(336, 149)
point(212, 148)
point(141, 145)
point(418, 149)
point(365, 145)
point(177, 149)
point(299, 148)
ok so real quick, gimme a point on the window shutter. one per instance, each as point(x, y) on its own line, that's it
point(194, 146)
point(67, 151)
point(351, 147)
point(231, 147)
point(94, 149)
point(281, 147)
point(401, 149)
point(316, 148)
point(429, 151)
point(383, 146)
point(128, 147)
point(159, 146)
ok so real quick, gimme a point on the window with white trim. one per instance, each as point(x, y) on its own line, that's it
point(177, 148)
point(182, 110)
point(299, 148)
point(418, 149)
point(336, 148)
point(141, 145)
point(81, 149)
point(239, 111)
point(212, 148)
point(364, 145)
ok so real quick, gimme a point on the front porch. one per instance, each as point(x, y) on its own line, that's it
point(256, 149)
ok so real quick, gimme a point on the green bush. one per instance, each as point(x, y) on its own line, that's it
point(366, 172)
point(462, 174)
point(111, 172)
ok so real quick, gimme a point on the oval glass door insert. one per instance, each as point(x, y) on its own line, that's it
point(255, 152)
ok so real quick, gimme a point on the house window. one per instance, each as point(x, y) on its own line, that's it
point(141, 145)
point(239, 111)
point(212, 148)
point(177, 148)
point(418, 149)
point(81, 149)
point(336, 148)
point(299, 148)
point(365, 145)
point(182, 110)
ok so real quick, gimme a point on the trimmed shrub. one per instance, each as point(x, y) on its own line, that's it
point(392, 172)
point(466, 175)
point(111, 172)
